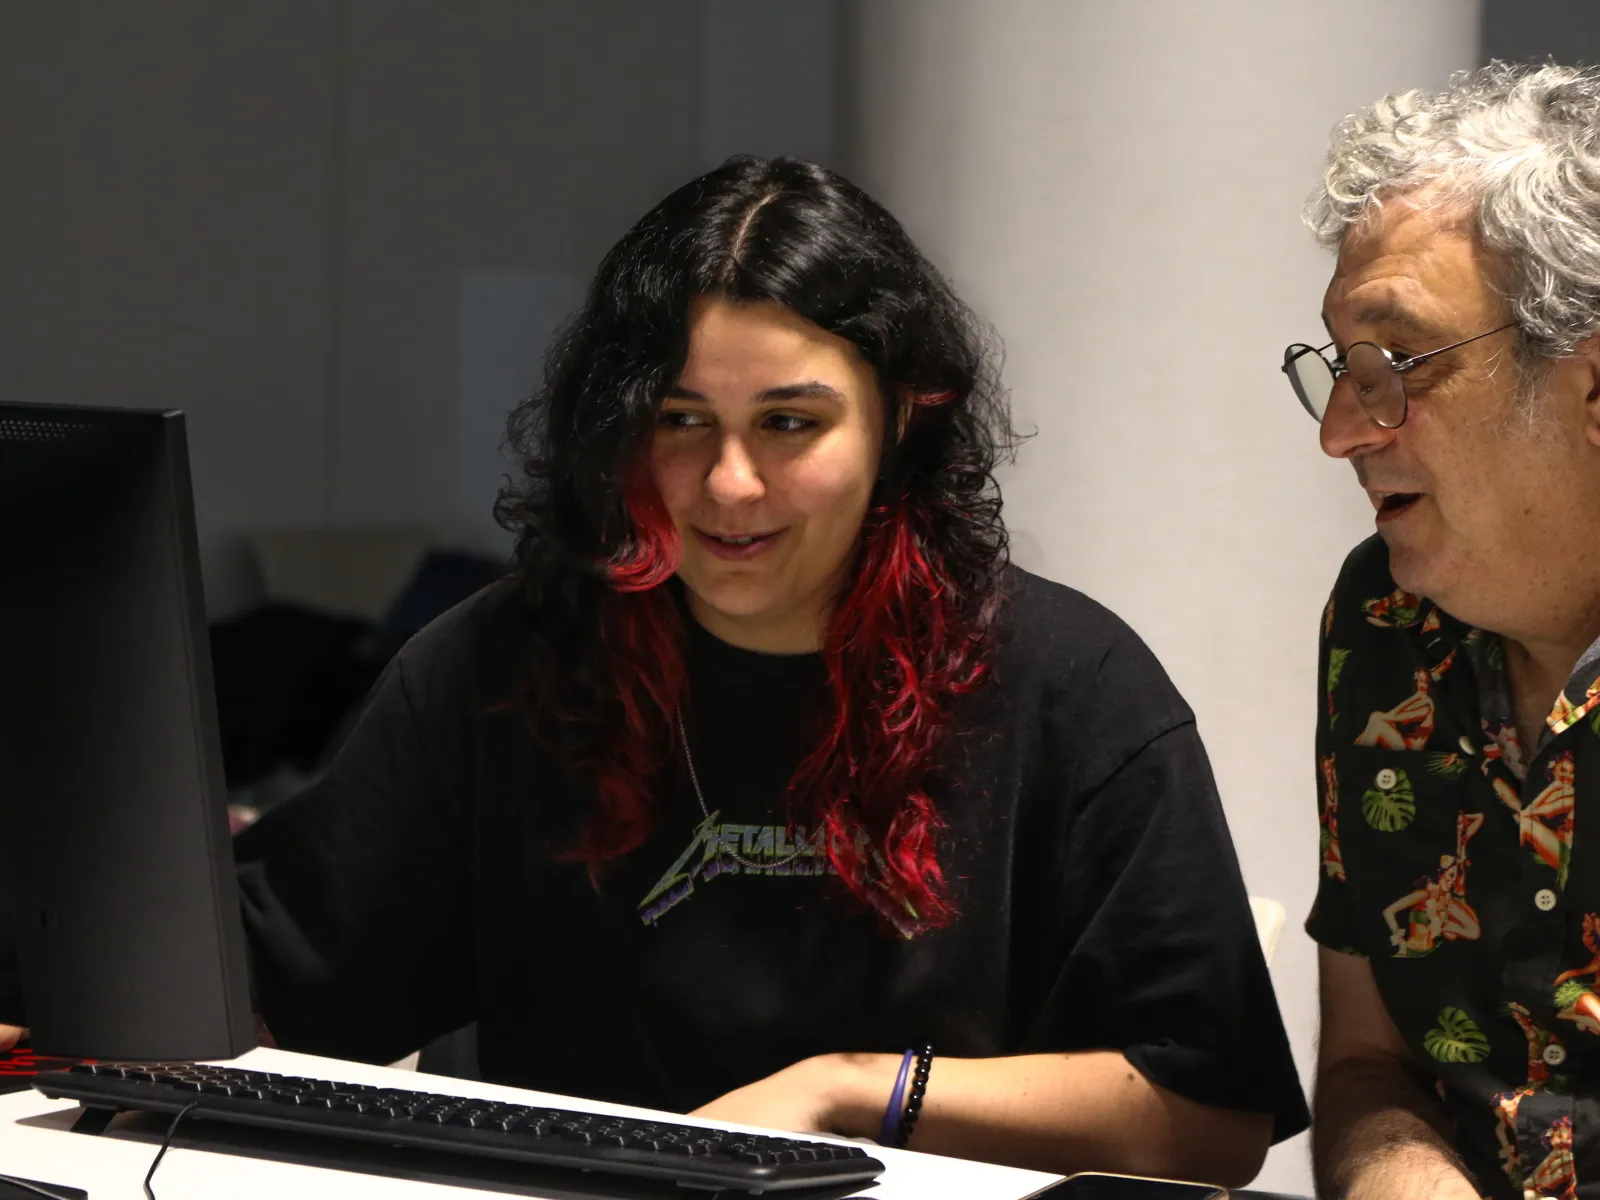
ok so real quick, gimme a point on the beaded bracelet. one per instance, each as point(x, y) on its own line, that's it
point(889, 1134)
point(919, 1086)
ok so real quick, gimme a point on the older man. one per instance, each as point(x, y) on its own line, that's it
point(1458, 911)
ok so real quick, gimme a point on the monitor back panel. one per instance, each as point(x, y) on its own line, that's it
point(118, 871)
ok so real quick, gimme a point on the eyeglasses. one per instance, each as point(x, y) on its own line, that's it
point(1376, 373)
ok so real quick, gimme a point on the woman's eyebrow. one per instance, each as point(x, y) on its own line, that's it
point(810, 390)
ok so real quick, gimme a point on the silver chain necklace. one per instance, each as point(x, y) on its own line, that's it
point(694, 778)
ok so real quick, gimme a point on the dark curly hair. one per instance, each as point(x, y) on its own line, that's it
point(595, 545)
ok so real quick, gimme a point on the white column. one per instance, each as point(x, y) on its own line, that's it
point(1117, 188)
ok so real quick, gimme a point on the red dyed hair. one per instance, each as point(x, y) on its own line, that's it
point(643, 637)
point(898, 650)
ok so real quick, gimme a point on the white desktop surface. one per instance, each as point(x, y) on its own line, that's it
point(36, 1142)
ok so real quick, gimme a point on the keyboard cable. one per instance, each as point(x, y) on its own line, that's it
point(165, 1142)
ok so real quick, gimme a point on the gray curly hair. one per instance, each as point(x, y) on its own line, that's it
point(1517, 145)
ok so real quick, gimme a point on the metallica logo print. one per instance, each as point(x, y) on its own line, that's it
point(716, 850)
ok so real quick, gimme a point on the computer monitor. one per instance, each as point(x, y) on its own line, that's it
point(116, 871)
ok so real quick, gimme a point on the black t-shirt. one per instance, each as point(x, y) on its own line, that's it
point(418, 885)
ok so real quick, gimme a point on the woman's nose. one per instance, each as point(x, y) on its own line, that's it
point(733, 478)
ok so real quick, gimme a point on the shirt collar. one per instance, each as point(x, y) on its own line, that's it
point(1441, 635)
point(1582, 693)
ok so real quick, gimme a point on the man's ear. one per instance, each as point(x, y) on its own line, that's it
point(1586, 360)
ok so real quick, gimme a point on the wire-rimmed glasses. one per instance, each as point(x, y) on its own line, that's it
point(1376, 373)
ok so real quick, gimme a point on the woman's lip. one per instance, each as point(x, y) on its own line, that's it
point(737, 552)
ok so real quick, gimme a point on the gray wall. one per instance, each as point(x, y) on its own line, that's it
point(1521, 30)
point(166, 230)
point(497, 135)
point(263, 212)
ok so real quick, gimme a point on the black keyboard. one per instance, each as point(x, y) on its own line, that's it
point(692, 1155)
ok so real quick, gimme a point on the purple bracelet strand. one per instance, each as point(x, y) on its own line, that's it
point(890, 1133)
point(919, 1086)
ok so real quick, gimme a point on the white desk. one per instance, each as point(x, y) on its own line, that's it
point(36, 1142)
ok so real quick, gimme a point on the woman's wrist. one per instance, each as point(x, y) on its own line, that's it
point(854, 1090)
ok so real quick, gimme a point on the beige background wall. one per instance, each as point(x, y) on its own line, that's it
point(1117, 187)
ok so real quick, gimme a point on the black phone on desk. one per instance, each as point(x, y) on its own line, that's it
point(1092, 1185)
point(14, 1187)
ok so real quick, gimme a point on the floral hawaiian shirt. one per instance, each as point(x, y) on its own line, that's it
point(1451, 860)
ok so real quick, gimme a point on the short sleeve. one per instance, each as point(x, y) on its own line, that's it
point(1168, 967)
point(356, 895)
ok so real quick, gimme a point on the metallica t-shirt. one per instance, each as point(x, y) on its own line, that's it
point(418, 885)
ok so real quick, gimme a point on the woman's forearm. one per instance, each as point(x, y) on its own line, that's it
point(1053, 1112)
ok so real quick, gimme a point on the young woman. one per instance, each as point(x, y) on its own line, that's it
point(764, 766)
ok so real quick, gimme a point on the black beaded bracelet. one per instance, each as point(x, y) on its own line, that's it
point(919, 1085)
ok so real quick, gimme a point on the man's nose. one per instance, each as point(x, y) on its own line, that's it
point(733, 478)
point(1347, 428)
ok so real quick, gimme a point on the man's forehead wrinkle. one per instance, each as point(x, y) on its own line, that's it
point(1383, 295)
point(1416, 270)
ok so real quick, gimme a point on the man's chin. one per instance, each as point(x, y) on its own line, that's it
point(1437, 576)
point(1409, 568)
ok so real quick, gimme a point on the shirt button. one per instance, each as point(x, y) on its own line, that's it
point(1555, 1054)
point(1544, 899)
point(1386, 779)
